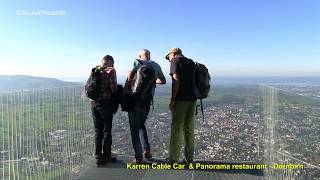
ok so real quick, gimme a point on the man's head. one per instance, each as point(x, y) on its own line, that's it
point(107, 61)
point(173, 52)
point(144, 54)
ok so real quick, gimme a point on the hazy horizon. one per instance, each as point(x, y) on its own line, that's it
point(215, 79)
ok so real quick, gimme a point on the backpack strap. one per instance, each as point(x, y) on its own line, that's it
point(140, 63)
point(201, 107)
point(193, 79)
point(197, 105)
point(202, 110)
point(152, 103)
point(151, 95)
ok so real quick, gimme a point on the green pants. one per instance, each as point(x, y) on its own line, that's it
point(182, 124)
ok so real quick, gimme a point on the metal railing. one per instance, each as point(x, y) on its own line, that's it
point(45, 134)
point(291, 135)
point(48, 134)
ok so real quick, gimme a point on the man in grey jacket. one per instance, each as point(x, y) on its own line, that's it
point(139, 113)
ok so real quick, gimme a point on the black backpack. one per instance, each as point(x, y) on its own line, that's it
point(127, 97)
point(201, 83)
point(117, 98)
point(92, 86)
point(140, 87)
point(143, 81)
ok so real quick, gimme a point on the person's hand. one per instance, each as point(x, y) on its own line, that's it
point(172, 106)
point(109, 69)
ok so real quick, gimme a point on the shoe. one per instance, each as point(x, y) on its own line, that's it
point(186, 162)
point(169, 161)
point(100, 162)
point(147, 154)
point(137, 161)
point(111, 159)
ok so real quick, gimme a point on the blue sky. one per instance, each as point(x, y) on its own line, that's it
point(232, 37)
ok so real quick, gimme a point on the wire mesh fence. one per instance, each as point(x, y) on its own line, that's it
point(48, 134)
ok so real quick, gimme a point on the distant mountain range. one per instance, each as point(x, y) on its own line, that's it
point(283, 80)
point(21, 82)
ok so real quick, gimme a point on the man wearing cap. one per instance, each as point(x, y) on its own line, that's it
point(102, 112)
point(182, 105)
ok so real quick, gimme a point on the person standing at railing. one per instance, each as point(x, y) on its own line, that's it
point(141, 105)
point(182, 105)
point(102, 111)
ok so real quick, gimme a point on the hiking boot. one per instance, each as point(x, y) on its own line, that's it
point(147, 154)
point(186, 162)
point(111, 159)
point(100, 161)
point(137, 161)
point(169, 161)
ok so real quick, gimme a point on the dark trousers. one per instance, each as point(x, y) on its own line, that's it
point(102, 119)
point(137, 118)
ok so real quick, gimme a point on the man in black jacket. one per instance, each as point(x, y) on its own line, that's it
point(182, 105)
point(102, 112)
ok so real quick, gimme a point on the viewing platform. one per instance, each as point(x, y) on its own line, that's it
point(120, 171)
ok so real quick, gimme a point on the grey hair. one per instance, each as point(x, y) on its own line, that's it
point(144, 53)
